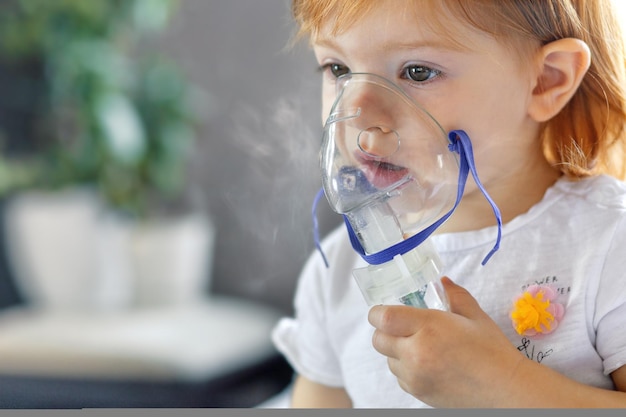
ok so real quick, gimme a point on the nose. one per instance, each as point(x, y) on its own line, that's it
point(375, 125)
point(378, 142)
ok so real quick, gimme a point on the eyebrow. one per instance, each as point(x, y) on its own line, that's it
point(434, 44)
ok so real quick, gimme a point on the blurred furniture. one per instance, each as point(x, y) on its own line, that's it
point(208, 351)
point(216, 353)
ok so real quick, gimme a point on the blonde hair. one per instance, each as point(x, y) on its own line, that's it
point(588, 136)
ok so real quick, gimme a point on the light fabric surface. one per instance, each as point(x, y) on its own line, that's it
point(187, 343)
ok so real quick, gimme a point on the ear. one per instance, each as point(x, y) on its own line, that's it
point(562, 66)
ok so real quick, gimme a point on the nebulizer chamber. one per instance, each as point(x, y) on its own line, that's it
point(386, 166)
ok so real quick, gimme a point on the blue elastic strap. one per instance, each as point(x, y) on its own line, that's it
point(460, 143)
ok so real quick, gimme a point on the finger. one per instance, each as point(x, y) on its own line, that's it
point(404, 378)
point(385, 344)
point(396, 367)
point(395, 320)
point(460, 300)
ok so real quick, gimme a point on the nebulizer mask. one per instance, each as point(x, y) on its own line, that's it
point(394, 174)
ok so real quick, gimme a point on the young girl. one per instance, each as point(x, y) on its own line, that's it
point(539, 88)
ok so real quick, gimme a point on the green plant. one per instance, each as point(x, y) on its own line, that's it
point(89, 101)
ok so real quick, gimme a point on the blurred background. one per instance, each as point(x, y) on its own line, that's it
point(158, 161)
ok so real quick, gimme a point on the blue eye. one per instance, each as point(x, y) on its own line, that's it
point(337, 70)
point(420, 73)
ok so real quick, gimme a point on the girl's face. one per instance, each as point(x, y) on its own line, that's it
point(480, 87)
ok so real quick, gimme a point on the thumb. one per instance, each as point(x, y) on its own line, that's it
point(460, 300)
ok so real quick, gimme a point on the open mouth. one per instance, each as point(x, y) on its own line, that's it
point(382, 174)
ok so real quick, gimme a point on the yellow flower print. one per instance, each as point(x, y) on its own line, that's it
point(535, 311)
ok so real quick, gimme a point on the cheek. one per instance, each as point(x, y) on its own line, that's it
point(484, 115)
point(324, 114)
point(327, 102)
point(481, 101)
point(496, 124)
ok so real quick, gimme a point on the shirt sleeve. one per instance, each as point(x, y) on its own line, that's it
point(610, 339)
point(610, 319)
point(304, 340)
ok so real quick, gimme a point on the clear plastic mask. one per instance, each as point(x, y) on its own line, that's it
point(385, 160)
point(395, 175)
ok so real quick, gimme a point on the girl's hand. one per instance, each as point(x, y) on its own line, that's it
point(448, 359)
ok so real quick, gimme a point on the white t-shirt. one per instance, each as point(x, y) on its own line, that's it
point(573, 240)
